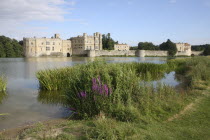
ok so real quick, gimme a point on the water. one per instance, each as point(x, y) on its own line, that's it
point(24, 105)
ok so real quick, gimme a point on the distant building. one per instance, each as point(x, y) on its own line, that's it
point(121, 47)
point(183, 49)
point(82, 43)
point(35, 47)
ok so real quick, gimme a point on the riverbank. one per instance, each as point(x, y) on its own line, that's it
point(157, 113)
point(193, 124)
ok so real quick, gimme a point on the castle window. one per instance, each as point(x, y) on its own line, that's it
point(52, 48)
point(47, 43)
point(42, 43)
point(47, 48)
point(32, 43)
point(53, 43)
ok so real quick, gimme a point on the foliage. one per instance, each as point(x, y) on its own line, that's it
point(134, 48)
point(169, 46)
point(207, 50)
point(108, 42)
point(147, 46)
point(196, 70)
point(3, 84)
point(199, 47)
point(10, 47)
point(58, 79)
point(113, 90)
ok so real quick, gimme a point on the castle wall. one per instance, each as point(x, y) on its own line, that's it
point(140, 53)
point(115, 53)
point(197, 53)
point(156, 53)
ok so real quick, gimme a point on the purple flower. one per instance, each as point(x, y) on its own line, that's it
point(106, 89)
point(98, 87)
point(82, 94)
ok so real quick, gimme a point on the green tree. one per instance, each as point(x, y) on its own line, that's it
point(147, 46)
point(108, 42)
point(18, 49)
point(2, 53)
point(10, 47)
point(207, 50)
point(169, 46)
point(9, 50)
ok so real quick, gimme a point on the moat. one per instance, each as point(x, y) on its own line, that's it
point(23, 106)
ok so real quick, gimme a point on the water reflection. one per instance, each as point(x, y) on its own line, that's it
point(3, 95)
point(52, 97)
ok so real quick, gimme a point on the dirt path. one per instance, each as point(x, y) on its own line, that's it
point(189, 107)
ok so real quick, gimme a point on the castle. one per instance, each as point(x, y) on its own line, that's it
point(55, 46)
point(90, 46)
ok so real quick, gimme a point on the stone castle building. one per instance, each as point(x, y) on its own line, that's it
point(55, 46)
point(121, 47)
point(82, 43)
point(183, 49)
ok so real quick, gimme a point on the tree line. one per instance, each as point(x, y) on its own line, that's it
point(205, 48)
point(108, 44)
point(10, 47)
point(166, 46)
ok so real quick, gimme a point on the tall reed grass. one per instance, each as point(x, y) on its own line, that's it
point(3, 84)
point(114, 90)
point(58, 79)
point(195, 70)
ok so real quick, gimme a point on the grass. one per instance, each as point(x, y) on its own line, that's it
point(3, 84)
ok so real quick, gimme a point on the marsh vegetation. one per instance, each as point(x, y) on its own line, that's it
point(120, 101)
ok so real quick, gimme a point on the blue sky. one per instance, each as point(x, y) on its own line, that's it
point(128, 21)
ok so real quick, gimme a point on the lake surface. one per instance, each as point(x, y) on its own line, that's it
point(23, 105)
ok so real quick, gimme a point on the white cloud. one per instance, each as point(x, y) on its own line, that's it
point(15, 14)
point(27, 10)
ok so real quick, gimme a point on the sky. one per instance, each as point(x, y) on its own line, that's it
point(128, 21)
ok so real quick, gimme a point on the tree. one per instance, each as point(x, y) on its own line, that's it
point(207, 50)
point(10, 47)
point(18, 49)
point(9, 50)
point(169, 46)
point(2, 53)
point(147, 46)
point(108, 42)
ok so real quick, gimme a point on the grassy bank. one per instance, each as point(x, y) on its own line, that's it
point(117, 101)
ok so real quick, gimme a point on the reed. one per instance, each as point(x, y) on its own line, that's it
point(3, 84)
point(112, 89)
point(58, 79)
